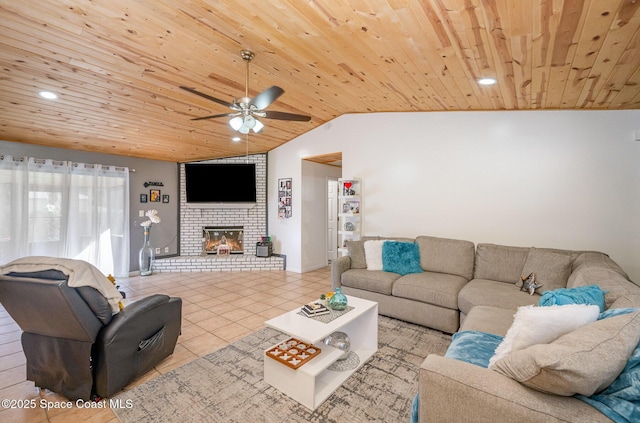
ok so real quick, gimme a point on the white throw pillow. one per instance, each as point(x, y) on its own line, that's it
point(373, 254)
point(540, 325)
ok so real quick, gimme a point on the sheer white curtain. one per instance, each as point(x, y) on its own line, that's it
point(64, 209)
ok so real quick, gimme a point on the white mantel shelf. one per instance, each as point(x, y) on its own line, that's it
point(215, 263)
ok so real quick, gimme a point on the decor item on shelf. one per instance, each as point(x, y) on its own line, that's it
point(341, 341)
point(349, 226)
point(338, 300)
point(147, 255)
point(348, 190)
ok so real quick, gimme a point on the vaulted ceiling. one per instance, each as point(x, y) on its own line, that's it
point(117, 65)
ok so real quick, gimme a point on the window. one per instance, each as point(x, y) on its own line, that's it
point(64, 209)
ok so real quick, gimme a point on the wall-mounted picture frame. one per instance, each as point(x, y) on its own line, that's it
point(154, 195)
point(143, 198)
point(284, 198)
point(165, 198)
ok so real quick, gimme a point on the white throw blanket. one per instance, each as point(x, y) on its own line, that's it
point(80, 273)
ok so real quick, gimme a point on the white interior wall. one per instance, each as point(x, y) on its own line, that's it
point(286, 233)
point(314, 213)
point(564, 179)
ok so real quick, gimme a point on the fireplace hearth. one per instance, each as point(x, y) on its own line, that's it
point(223, 240)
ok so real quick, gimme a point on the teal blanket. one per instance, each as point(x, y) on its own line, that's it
point(621, 400)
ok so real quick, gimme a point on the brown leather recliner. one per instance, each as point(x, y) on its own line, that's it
point(74, 345)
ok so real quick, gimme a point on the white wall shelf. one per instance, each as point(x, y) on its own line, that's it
point(349, 212)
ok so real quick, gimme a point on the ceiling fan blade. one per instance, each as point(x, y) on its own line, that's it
point(285, 116)
point(208, 97)
point(268, 96)
point(215, 116)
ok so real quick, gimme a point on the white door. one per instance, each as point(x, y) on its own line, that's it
point(332, 219)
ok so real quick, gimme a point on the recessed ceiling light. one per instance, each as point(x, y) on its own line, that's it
point(236, 139)
point(487, 81)
point(48, 95)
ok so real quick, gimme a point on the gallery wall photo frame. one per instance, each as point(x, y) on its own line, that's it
point(154, 195)
point(284, 198)
point(143, 198)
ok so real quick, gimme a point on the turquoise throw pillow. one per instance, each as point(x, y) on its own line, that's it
point(401, 257)
point(590, 295)
point(473, 347)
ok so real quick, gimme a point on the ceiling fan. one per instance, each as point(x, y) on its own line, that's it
point(246, 110)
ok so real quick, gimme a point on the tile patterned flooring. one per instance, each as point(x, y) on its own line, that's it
point(218, 308)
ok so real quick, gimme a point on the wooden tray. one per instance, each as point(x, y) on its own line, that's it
point(293, 352)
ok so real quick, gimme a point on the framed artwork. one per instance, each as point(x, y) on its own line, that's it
point(284, 198)
point(154, 195)
point(165, 198)
point(143, 198)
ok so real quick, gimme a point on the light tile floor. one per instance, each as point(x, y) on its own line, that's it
point(218, 308)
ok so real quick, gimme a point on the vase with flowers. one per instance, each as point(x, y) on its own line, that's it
point(147, 255)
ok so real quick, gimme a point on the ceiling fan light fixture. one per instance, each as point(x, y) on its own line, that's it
point(258, 127)
point(246, 108)
point(249, 122)
point(236, 123)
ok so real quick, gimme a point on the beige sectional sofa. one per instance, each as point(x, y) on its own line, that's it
point(473, 288)
point(458, 276)
point(429, 298)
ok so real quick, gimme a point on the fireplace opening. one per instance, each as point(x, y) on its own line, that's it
point(222, 240)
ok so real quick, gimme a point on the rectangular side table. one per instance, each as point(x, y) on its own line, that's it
point(312, 383)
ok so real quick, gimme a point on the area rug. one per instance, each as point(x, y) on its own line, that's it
point(227, 385)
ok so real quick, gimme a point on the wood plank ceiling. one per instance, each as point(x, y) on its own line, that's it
point(117, 64)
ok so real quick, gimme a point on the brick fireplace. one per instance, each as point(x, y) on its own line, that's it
point(253, 222)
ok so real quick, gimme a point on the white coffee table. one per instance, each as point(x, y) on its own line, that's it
point(312, 383)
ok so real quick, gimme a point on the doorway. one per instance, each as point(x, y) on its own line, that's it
point(321, 189)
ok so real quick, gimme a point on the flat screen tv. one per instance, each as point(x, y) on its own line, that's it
point(220, 183)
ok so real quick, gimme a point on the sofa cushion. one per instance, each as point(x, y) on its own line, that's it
point(444, 255)
point(619, 401)
point(373, 254)
point(492, 293)
point(541, 325)
point(370, 280)
point(429, 287)
point(591, 268)
point(584, 361)
point(591, 294)
point(355, 250)
point(488, 319)
point(402, 258)
point(499, 263)
point(552, 269)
